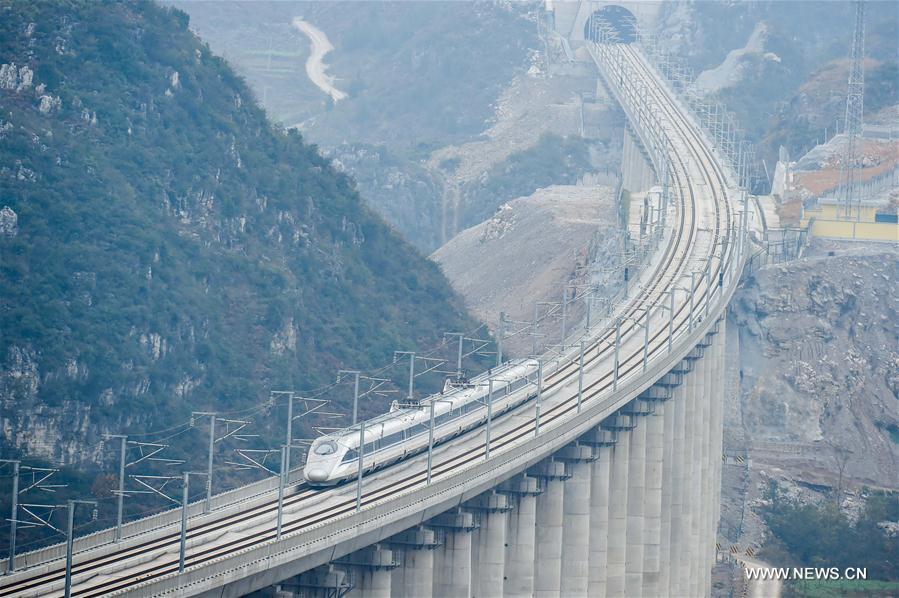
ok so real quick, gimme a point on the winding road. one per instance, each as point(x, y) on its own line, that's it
point(315, 66)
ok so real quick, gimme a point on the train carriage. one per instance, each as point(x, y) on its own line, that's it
point(403, 431)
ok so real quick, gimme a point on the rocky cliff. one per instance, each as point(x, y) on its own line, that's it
point(813, 393)
point(819, 367)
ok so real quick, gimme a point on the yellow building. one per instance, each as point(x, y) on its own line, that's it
point(825, 220)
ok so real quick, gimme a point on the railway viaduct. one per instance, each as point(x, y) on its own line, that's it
point(605, 481)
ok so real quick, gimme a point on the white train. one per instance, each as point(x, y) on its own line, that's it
point(394, 436)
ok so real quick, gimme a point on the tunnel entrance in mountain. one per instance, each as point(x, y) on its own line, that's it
point(611, 24)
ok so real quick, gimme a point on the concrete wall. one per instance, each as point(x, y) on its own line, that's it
point(636, 172)
point(843, 229)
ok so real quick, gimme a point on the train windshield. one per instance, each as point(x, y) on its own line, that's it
point(326, 448)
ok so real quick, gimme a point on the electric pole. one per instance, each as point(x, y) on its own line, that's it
point(355, 374)
point(15, 512)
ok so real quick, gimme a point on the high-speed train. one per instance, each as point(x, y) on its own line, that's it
point(404, 430)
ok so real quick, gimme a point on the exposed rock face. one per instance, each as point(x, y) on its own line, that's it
point(13, 79)
point(21, 79)
point(404, 192)
point(285, 339)
point(9, 222)
point(34, 427)
point(732, 70)
point(820, 368)
point(529, 250)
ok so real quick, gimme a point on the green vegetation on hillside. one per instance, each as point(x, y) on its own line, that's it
point(797, 129)
point(402, 190)
point(823, 536)
point(175, 251)
point(882, 86)
point(840, 589)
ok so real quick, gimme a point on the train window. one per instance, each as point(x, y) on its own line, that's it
point(392, 439)
point(329, 447)
point(351, 455)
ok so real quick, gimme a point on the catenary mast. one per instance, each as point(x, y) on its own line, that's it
point(855, 102)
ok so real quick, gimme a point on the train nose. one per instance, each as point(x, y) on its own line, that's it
point(316, 474)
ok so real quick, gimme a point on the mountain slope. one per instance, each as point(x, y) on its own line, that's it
point(163, 247)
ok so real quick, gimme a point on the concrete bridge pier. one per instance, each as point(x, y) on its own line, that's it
point(452, 566)
point(653, 506)
point(371, 568)
point(637, 174)
point(548, 553)
point(680, 496)
point(518, 573)
point(636, 481)
point(716, 445)
point(692, 471)
point(415, 577)
point(617, 534)
point(694, 481)
point(602, 440)
point(706, 391)
point(663, 584)
point(576, 521)
point(721, 384)
point(320, 582)
point(489, 543)
point(713, 459)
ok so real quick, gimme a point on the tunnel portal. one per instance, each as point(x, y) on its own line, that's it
point(611, 24)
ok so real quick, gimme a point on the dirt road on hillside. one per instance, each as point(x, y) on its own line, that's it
point(315, 66)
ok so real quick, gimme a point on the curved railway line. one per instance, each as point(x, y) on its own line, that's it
point(140, 561)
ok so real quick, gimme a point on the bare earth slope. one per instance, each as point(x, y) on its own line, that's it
point(529, 249)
